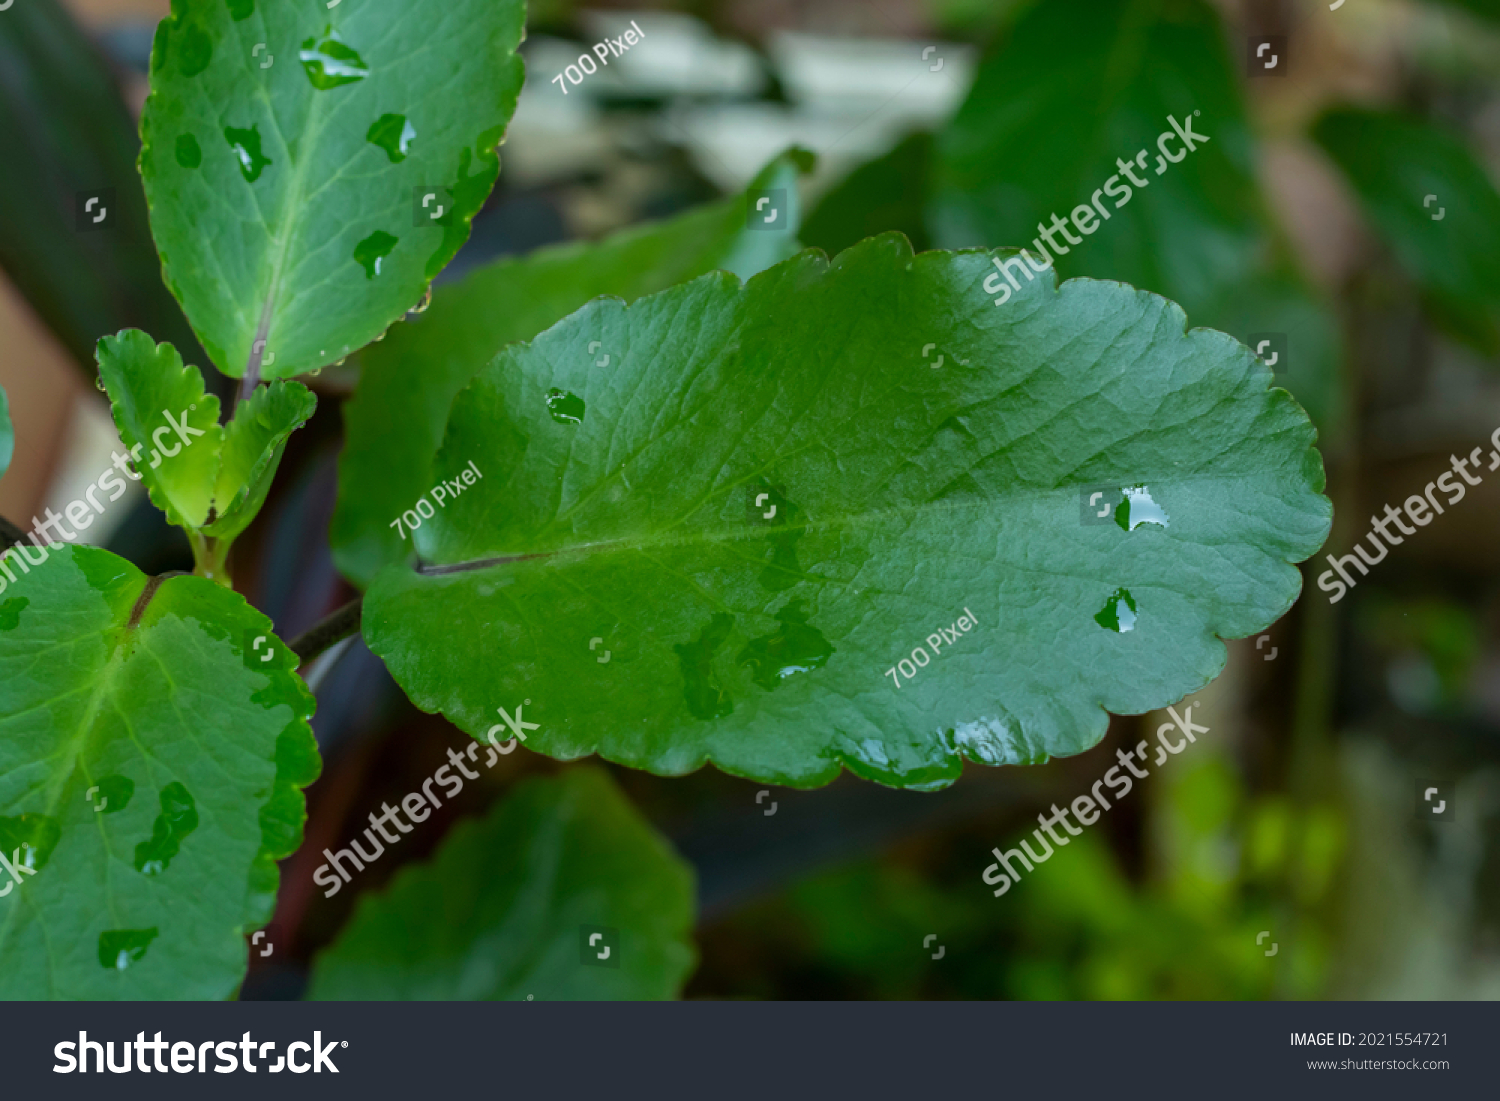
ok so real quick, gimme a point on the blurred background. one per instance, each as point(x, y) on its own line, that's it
point(1289, 853)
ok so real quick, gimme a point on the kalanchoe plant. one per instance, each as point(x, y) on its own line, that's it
point(764, 481)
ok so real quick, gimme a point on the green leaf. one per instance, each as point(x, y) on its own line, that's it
point(153, 394)
point(777, 492)
point(1078, 87)
point(1449, 242)
point(204, 476)
point(283, 210)
point(888, 193)
point(147, 770)
point(394, 423)
point(253, 442)
point(502, 911)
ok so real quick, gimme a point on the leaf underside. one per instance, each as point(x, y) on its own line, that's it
point(506, 907)
point(147, 769)
point(717, 547)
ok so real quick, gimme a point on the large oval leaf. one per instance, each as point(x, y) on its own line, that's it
point(407, 382)
point(718, 547)
point(149, 779)
point(287, 149)
point(507, 907)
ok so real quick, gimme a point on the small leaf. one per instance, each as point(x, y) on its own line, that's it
point(148, 768)
point(167, 423)
point(205, 476)
point(290, 235)
point(1434, 205)
point(507, 907)
point(779, 492)
point(395, 421)
point(253, 442)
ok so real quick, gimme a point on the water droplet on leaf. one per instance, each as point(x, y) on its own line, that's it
point(393, 134)
point(246, 146)
point(119, 948)
point(1118, 613)
point(331, 61)
point(371, 251)
point(178, 818)
point(566, 408)
point(792, 648)
point(10, 613)
point(34, 835)
point(706, 698)
point(195, 50)
point(1138, 508)
point(114, 793)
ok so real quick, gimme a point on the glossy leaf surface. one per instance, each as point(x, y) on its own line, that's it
point(291, 227)
point(775, 494)
point(395, 421)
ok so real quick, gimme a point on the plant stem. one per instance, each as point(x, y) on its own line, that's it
point(210, 557)
point(335, 628)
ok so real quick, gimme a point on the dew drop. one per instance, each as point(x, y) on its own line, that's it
point(706, 697)
point(119, 948)
point(331, 61)
point(113, 795)
point(178, 818)
point(33, 835)
point(99, 385)
point(195, 50)
point(371, 251)
point(421, 307)
point(566, 408)
point(794, 647)
point(1118, 613)
point(10, 613)
point(393, 134)
point(246, 146)
point(188, 153)
point(1138, 508)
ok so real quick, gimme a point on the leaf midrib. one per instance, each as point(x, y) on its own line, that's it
point(75, 745)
